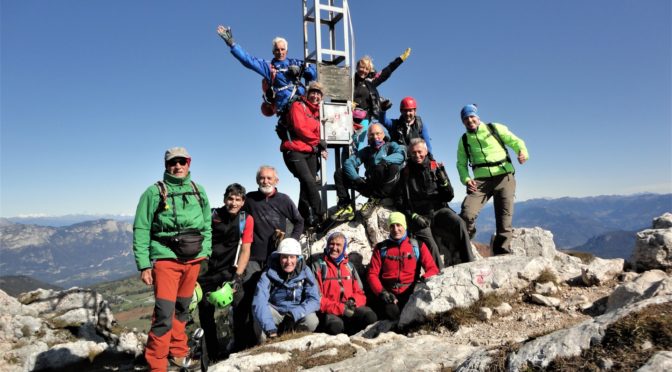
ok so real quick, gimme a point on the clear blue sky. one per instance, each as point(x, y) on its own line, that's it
point(93, 92)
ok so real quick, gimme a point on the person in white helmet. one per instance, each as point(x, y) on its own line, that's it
point(287, 297)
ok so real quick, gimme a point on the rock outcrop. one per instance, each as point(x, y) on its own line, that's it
point(48, 329)
point(653, 249)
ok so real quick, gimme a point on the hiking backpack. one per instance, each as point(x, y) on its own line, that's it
point(322, 266)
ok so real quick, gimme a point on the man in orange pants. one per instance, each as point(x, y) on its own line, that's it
point(172, 231)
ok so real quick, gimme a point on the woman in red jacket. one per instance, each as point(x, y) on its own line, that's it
point(301, 147)
point(342, 307)
point(393, 270)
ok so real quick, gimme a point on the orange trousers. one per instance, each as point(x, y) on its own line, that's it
point(174, 283)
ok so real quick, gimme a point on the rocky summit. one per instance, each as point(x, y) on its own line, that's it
point(535, 309)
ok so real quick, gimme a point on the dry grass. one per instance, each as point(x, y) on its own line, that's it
point(301, 359)
point(624, 341)
point(460, 316)
point(547, 276)
point(585, 257)
point(498, 362)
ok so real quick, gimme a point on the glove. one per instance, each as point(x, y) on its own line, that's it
point(322, 145)
point(387, 297)
point(422, 283)
point(237, 284)
point(420, 222)
point(442, 176)
point(277, 237)
point(293, 72)
point(287, 324)
point(350, 307)
point(225, 33)
point(385, 104)
point(405, 55)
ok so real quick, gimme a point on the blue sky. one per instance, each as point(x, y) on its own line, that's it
point(93, 92)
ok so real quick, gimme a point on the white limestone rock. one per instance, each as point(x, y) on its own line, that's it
point(600, 270)
point(544, 300)
point(571, 341)
point(663, 222)
point(503, 309)
point(547, 288)
point(660, 361)
point(648, 284)
point(533, 242)
point(653, 248)
point(422, 353)
point(461, 285)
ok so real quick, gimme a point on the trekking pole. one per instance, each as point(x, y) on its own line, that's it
point(235, 260)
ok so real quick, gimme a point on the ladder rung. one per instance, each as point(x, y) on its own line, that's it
point(331, 8)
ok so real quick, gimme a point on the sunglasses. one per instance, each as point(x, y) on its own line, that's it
point(175, 161)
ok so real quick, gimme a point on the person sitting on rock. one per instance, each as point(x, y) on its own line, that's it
point(342, 307)
point(287, 296)
point(382, 160)
point(423, 195)
point(393, 270)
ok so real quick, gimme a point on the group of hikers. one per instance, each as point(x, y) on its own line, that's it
point(251, 243)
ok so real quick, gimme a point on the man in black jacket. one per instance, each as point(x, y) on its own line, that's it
point(423, 195)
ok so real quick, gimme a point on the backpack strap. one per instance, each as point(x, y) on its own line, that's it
point(322, 266)
point(197, 193)
point(493, 131)
point(415, 253)
point(242, 219)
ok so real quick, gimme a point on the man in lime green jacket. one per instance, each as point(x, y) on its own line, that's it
point(483, 148)
point(171, 236)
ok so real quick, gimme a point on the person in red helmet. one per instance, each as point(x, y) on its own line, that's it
point(408, 125)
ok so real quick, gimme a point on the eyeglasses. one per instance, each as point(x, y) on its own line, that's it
point(175, 161)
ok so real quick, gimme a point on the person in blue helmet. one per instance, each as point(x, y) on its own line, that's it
point(282, 75)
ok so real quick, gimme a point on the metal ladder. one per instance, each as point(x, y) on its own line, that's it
point(326, 41)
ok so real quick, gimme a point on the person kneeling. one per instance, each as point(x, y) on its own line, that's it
point(343, 299)
point(393, 270)
point(287, 297)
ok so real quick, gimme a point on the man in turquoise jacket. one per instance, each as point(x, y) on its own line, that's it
point(171, 236)
point(382, 161)
point(483, 148)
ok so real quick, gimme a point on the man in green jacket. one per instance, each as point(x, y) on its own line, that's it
point(171, 236)
point(483, 148)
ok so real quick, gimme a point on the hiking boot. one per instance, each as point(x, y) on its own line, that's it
point(369, 206)
point(345, 213)
point(184, 363)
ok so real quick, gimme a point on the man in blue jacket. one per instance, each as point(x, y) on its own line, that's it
point(287, 297)
point(382, 160)
point(282, 75)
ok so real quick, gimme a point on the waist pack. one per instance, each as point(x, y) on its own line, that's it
point(185, 245)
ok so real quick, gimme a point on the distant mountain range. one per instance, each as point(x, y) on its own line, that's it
point(90, 252)
point(573, 221)
point(75, 255)
point(14, 285)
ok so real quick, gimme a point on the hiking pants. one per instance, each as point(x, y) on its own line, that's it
point(303, 167)
point(174, 284)
point(380, 184)
point(334, 324)
point(425, 235)
point(392, 311)
point(243, 328)
point(451, 236)
point(503, 188)
point(306, 324)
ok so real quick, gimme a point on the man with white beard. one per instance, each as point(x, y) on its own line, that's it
point(272, 212)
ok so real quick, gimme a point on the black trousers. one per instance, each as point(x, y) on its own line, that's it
point(334, 324)
point(392, 311)
point(380, 183)
point(304, 167)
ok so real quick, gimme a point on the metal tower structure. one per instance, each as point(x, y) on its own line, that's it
point(326, 38)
